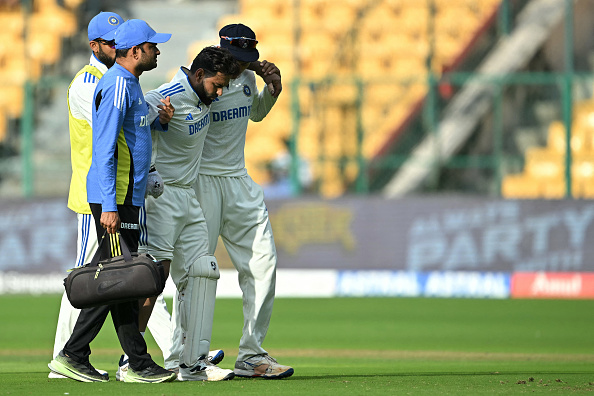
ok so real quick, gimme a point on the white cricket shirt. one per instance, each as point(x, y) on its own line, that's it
point(177, 151)
point(80, 94)
point(223, 153)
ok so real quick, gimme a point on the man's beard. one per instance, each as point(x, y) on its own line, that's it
point(147, 63)
point(103, 58)
point(204, 98)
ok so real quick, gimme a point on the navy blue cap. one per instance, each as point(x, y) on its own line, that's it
point(242, 53)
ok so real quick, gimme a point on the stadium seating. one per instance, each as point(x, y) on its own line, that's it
point(546, 166)
point(28, 43)
point(351, 57)
point(520, 186)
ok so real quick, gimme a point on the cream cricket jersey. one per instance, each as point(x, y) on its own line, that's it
point(223, 153)
point(176, 152)
point(80, 99)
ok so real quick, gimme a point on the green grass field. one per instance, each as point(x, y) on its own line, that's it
point(346, 346)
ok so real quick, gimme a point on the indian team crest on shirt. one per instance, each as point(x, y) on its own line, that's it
point(247, 91)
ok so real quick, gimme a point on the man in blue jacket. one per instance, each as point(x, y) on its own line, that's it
point(116, 185)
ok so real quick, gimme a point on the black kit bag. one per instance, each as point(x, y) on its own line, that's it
point(128, 277)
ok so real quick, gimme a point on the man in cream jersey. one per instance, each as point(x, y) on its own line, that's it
point(234, 205)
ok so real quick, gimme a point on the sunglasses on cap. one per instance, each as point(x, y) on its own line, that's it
point(110, 43)
point(241, 42)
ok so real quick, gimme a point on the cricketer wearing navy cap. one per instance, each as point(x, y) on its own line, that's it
point(241, 41)
point(136, 31)
point(233, 204)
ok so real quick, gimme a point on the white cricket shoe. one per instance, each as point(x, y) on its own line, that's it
point(204, 370)
point(264, 366)
point(123, 366)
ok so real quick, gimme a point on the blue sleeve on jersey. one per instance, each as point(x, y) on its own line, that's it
point(157, 126)
point(107, 125)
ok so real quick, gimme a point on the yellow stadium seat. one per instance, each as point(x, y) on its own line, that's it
point(373, 144)
point(277, 124)
point(41, 5)
point(582, 166)
point(556, 138)
point(383, 93)
point(11, 46)
point(3, 125)
point(332, 185)
point(406, 68)
point(484, 8)
point(37, 44)
point(557, 189)
point(12, 99)
point(457, 23)
point(308, 140)
point(340, 19)
point(53, 21)
point(276, 52)
point(542, 163)
point(378, 22)
point(271, 10)
point(282, 55)
point(583, 123)
point(415, 21)
point(351, 170)
point(318, 40)
point(372, 113)
point(17, 68)
point(257, 170)
point(373, 67)
point(13, 22)
point(267, 31)
point(316, 51)
point(520, 187)
point(553, 189)
point(260, 146)
point(13, 76)
point(446, 51)
point(341, 93)
point(73, 4)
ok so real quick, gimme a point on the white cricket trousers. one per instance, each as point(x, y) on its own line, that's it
point(159, 323)
point(234, 208)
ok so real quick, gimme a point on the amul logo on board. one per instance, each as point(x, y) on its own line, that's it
point(553, 285)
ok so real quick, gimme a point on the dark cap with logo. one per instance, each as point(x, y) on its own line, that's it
point(241, 41)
